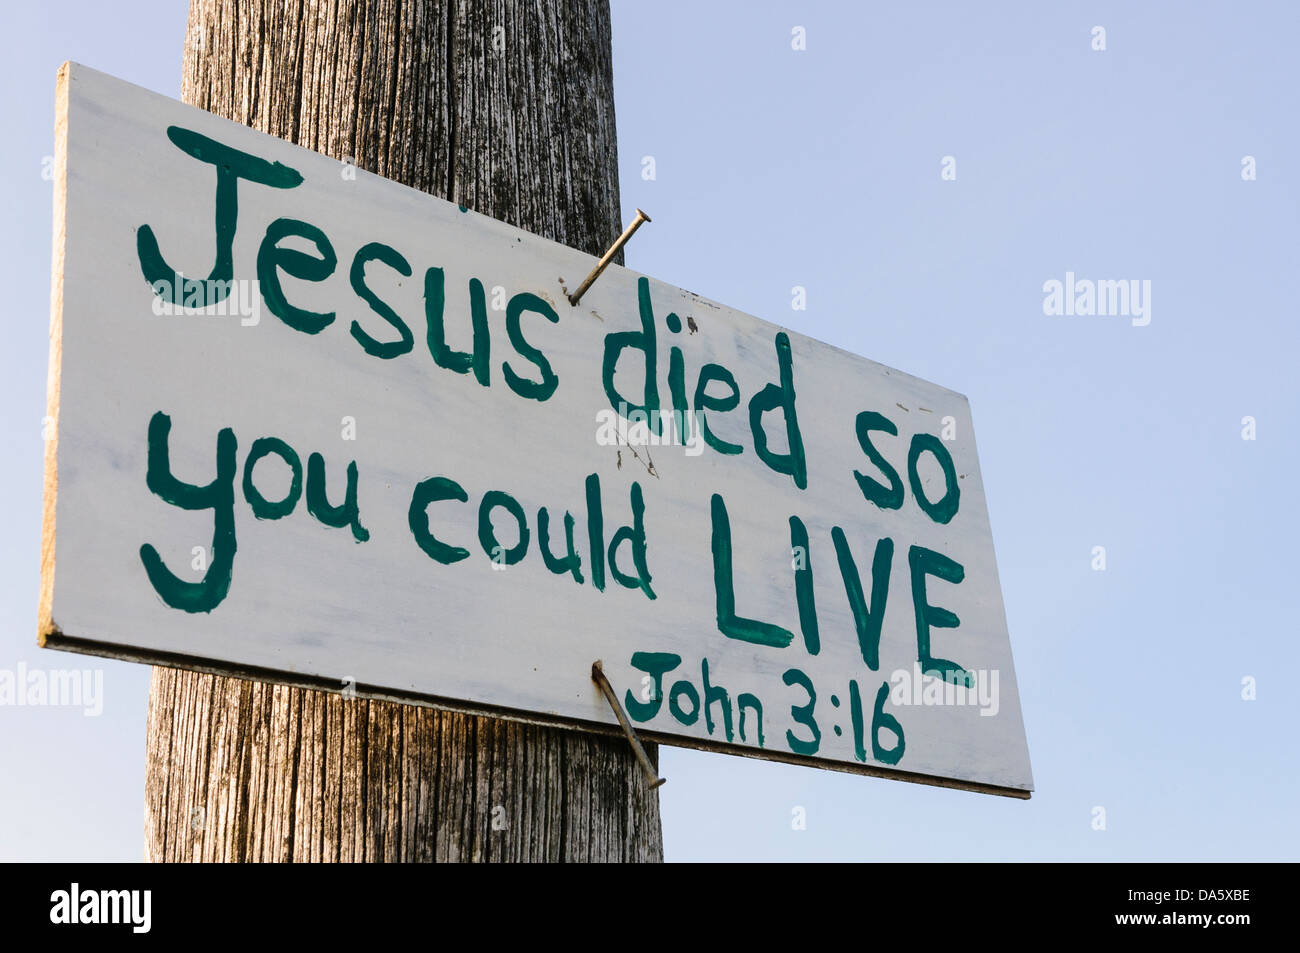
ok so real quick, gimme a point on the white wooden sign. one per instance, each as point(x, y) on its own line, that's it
point(310, 425)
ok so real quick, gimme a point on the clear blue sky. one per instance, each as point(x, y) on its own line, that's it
point(821, 168)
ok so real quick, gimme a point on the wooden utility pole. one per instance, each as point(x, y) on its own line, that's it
point(506, 107)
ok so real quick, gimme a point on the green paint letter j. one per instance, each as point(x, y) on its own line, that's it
point(231, 165)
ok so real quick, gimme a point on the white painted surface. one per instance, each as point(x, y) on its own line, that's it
point(308, 601)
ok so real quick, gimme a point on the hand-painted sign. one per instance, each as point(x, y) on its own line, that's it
point(313, 426)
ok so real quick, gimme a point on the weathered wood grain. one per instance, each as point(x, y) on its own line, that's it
point(506, 107)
